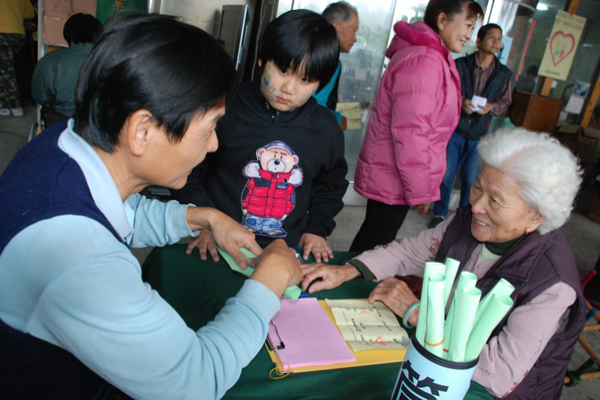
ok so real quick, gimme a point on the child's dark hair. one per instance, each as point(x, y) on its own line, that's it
point(81, 28)
point(152, 62)
point(485, 29)
point(302, 38)
point(450, 8)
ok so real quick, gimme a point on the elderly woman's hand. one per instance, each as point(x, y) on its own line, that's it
point(397, 296)
point(326, 276)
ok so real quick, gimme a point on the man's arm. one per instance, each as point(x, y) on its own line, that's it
point(90, 300)
point(502, 103)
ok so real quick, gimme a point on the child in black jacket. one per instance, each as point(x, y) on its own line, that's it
point(280, 169)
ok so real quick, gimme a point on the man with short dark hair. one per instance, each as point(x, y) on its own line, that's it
point(344, 17)
point(481, 74)
point(76, 319)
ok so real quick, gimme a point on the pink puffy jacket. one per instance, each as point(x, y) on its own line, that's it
point(416, 109)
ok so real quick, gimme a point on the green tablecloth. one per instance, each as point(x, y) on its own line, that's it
point(198, 290)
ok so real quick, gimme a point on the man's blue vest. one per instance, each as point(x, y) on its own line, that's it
point(43, 182)
point(473, 126)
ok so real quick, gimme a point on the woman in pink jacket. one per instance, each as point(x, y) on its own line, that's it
point(416, 108)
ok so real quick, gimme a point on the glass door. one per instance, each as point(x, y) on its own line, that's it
point(361, 68)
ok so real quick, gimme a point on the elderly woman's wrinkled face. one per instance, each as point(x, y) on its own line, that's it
point(499, 212)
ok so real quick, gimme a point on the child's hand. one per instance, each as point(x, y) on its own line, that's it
point(204, 242)
point(317, 245)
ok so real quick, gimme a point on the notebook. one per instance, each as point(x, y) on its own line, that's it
point(302, 334)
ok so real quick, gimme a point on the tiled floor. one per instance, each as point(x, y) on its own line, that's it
point(582, 233)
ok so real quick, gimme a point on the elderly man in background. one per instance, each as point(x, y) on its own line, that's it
point(344, 17)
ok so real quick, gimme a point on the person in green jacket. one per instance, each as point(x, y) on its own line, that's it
point(55, 76)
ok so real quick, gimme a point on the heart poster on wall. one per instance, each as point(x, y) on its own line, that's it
point(562, 46)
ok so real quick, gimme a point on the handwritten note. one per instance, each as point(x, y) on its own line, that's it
point(352, 113)
point(368, 326)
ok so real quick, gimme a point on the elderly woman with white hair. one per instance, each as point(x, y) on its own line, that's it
point(520, 199)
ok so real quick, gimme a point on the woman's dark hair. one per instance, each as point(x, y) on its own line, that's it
point(302, 38)
point(340, 11)
point(485, 29)
point(450, 8)
point(81, 28)
point(152, 62)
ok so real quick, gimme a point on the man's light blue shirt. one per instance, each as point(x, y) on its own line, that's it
point(69, 281)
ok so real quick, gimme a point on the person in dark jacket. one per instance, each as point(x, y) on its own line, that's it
point(481, 74)
point(280, 169)
point(522, 196)
point(55, 76)
point(344, 17)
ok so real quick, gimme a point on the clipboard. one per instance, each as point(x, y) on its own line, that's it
point(363, 358)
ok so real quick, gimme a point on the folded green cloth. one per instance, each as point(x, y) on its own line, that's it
point(292, 292)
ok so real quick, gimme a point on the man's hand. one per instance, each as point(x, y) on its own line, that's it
point(317, 245)
point(467, 106)
point(397, 296)
point(227, 233)
point(277, 267)
point(489, 107)
point(332, 276)
point(423, 208)
point(204, 242)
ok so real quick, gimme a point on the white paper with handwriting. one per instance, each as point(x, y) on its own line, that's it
point(368, 326)
point(478, 103)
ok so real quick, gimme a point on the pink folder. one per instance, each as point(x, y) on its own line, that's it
point(309, 336)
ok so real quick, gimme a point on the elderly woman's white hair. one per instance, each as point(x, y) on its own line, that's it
point(548, 174)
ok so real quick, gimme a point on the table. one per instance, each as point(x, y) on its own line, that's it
point(198, 289)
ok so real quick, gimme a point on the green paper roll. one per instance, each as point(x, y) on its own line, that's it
point(467, 301)
point(435, 314)
point(496, 309)
point(502, 287)
point(291, 292)
point(431, 268)
point(465, 280)
point(450, 272)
